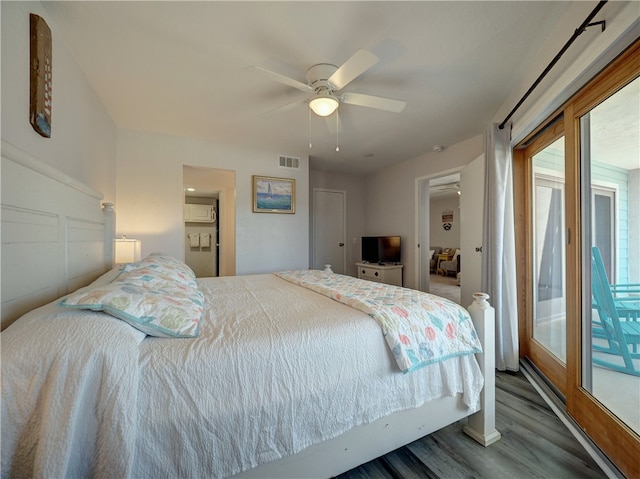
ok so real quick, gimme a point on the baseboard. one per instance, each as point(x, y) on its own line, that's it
point(558, 407)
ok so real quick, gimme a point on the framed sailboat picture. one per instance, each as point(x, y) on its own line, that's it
point(274, 195)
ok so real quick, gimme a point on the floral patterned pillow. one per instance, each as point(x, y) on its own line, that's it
point(165, 265)
point(149, 297)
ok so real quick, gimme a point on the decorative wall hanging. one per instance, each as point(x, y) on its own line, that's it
point(40, 76)
point(447, 219)
point(274, 195)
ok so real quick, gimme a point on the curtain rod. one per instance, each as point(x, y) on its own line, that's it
point(576, 34)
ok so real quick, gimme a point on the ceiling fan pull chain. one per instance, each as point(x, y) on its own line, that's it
point(309, 130)
point(337, 131)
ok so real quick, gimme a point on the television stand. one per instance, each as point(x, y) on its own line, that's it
point(387, 273)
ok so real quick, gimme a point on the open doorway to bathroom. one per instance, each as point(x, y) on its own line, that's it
point(209, 220)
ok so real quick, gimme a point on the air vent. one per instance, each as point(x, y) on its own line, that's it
point(288, 162)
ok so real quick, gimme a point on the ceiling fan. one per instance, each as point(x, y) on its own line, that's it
point(325, 82)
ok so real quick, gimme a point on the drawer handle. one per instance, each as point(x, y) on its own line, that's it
point(376, 273)
point(364, 271)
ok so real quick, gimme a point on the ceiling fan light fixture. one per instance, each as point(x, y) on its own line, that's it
point(324, 105)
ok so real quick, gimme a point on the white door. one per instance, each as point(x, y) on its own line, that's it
point(471, 219)
point(329, 229)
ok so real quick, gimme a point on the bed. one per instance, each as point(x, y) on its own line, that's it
point(282, 375)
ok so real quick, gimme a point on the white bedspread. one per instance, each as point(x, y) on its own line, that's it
point(69, 389)
point(81, 398)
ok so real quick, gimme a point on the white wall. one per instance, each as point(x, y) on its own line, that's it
point(354, 186)
point(438, 236)
point(391, 196)
point(150, 195)
point(83, 135)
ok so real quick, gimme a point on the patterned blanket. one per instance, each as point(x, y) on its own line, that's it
point(419, 328)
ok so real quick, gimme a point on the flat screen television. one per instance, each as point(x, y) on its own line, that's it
point(381, 249)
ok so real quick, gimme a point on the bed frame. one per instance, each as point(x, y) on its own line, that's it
point(57, 237)
point(369, 441)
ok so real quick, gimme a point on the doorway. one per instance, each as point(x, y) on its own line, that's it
point(202, 244)
point(444, 236)
point(214, 189)
point(438, 195)
point(464, 189)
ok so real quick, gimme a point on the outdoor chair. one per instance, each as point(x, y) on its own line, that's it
point(615, 324)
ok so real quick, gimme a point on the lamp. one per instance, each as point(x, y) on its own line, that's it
point(127, 250)
point(324, 105)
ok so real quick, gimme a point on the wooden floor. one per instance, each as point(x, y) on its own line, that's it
point(534, 443)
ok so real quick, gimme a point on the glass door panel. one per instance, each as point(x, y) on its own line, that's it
point(549, 288)
point(610, 156)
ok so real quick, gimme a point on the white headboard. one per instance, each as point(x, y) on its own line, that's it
point(53, 234)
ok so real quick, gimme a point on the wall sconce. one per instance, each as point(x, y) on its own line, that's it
point(127, 250)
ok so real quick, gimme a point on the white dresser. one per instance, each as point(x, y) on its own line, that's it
point(382, 273)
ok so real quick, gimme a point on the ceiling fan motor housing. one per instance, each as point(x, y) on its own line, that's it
point(318, 78)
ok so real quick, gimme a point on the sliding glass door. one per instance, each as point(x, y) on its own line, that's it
point(610, 165)
point(577, 186)
point(549, 292)
point(546, 325)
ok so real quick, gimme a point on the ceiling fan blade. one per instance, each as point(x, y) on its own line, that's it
point(355, 66)
point(370, 101)
point(286, 80)
point(289, 106)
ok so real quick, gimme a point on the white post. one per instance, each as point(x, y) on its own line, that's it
point(482, 425)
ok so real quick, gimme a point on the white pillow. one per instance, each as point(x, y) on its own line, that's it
point(455, 255)
point(431, 251)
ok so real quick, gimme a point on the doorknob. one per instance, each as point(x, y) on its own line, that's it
point(340, 244)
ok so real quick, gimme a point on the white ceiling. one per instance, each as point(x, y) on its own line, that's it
point(183, 68)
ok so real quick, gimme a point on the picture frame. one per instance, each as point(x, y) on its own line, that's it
point(274, 195)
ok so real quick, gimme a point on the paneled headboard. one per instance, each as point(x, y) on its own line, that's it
point(55, 235)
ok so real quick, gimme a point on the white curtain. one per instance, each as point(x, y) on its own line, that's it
point(499, 255)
